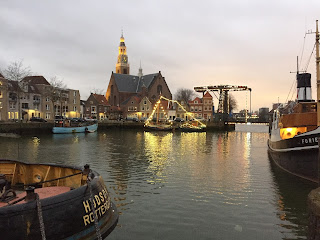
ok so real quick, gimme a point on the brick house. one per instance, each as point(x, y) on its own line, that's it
point(96, 107)
point(201, 108)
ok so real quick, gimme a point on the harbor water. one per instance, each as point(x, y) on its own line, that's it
point(208, 185)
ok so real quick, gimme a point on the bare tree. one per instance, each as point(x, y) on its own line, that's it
point(233, 105)
point(98, 91)
point(185, 95)
point(15, 71)
point(56, 93)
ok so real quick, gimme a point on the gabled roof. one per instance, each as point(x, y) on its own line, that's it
point(32, 88)
point(207, 95)
point(100, 98)
point(196, 99)
point(131, 83)
point(36, 80)
point(134, 97)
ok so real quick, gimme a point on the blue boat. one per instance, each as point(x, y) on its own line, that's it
point(67, 126)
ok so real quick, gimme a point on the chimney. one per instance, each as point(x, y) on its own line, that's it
point(304, 87)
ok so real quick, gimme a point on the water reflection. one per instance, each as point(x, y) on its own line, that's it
point(168, 184)
point(291, 202)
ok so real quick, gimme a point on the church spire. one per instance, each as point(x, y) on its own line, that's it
point(122, 65)
point(140, 74)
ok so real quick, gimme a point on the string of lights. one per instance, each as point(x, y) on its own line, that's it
point(157, 105)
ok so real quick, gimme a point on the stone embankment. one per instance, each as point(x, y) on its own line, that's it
point(22, 128)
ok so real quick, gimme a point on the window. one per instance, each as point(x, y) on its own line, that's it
point(25, 105)
point(74, 93)
point(159, 89)
point(12, 105)
point(74, 101)
point(0, 83)
point(1, 95)
point(47, 107)
point(93, 109)
point(0, 105)
point(195, 101)
point(91, 102)
point(47, 99)
point(74, 108)
point(145, 102)
point(48, 116)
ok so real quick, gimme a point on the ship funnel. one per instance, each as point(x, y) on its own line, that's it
point(304, 87)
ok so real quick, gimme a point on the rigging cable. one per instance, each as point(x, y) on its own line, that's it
point(307, 65)
point(294, 81)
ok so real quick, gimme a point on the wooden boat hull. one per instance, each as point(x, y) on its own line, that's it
point(158, 128)
point(186, 129)
point(297, 155)
point(82, 129)
point(65, 216)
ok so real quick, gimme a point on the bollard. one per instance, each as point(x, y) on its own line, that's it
point(31, 196)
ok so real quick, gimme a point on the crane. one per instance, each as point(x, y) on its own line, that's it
point(223, 90)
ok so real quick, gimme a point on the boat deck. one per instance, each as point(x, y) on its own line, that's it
point(43, 193)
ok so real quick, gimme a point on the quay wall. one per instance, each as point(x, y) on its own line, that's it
point(22, 128)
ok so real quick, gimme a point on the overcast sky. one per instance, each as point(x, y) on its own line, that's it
point(192, 43)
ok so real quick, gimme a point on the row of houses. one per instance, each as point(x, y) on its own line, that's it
point(34, 96)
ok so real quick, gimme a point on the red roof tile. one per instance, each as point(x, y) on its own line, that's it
point(101, 99)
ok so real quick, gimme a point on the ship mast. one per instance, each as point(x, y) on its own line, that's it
point(318, 73)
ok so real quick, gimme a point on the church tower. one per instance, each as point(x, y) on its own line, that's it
point(122, 65)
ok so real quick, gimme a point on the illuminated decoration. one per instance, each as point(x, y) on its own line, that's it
point(286, 133)
point(157, 108)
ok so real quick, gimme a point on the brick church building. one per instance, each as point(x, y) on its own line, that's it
point(134, 95)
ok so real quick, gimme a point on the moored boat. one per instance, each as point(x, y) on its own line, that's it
point(193, 126)
point(60, 202)
point(294, 131)
point(68, 126)
point(158, 127)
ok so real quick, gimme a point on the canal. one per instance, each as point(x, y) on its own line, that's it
point(209, 185)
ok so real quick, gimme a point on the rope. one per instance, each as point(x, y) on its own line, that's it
point(39, 210)
point(51, 180)
point(93, 209)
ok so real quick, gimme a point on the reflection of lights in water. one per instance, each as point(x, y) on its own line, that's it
point(247, 146)
point(158, 146)
point(75, 139)
point(36, 141)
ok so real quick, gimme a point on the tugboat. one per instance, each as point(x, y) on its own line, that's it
point(294, 131)
point(46, 201)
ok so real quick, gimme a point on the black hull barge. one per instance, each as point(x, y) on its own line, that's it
point(297, 155)
point(56, 204)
